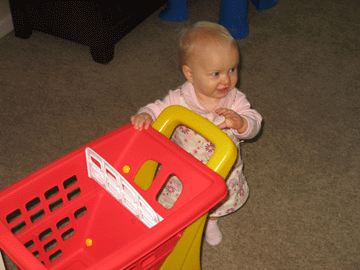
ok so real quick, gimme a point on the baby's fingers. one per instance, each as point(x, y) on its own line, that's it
point(147, 124)
point(225, 112)
point(222, 125)
point(133, 119)
point(137, 121)
point(221, 111)
point(141, 120)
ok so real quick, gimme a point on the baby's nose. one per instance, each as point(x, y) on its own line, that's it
point(225, 80)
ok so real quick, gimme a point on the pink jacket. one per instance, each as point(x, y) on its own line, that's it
point(234, 100)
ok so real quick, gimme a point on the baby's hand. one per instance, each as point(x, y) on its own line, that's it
point(140, 120)
point(232, 120)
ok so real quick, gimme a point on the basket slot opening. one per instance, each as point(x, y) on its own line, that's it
point(50, 245)
point(73, 194)
point(38, 215)
point(30, 244)
point(170, 191)
point(55, 204)
point(67, 234)
point(96, 162)
point(18, 227)
point(12, 216)
point(147, 173)
point(55, 255)
point(69, 182)
point(33, 203)
point(51, 192)
point(45, 234)
point(62, 223)
point(110, 175)
point(36, 254)
point(80, 212)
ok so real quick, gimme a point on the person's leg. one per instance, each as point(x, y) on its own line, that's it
point(233, 16)
point(213, 234)
point(176, 11)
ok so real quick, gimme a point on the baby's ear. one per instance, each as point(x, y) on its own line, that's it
point(187, 73)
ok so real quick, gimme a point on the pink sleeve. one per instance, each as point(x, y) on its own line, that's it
point(242, 106)
point(154, 109)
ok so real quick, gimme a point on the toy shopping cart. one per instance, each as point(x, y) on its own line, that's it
point(97, 208)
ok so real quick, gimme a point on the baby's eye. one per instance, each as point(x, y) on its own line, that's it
point(216, 74)
point(232, 70)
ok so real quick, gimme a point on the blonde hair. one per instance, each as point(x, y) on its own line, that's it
point(201, 32)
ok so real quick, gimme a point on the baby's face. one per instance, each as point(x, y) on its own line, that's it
point(214, 70)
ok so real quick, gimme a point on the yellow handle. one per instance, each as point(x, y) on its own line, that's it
point(186, 254)
point(225, 150)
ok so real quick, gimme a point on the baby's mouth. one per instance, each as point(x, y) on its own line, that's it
point(223, 90)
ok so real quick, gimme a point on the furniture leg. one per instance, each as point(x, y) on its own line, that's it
point(21, 22)
point(102, 53)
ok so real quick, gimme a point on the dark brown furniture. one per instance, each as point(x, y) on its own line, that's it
point(97, 24)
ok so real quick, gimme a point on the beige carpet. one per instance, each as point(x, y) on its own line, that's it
point(300, 70)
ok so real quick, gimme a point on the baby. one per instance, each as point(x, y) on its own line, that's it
point(209, 59)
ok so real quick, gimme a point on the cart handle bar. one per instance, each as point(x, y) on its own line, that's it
point(225, 150)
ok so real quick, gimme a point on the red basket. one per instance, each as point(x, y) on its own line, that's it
point(60, 218)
